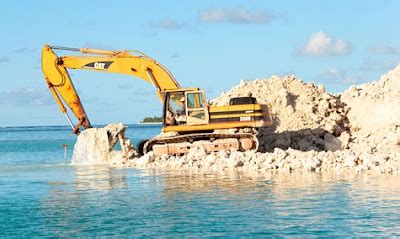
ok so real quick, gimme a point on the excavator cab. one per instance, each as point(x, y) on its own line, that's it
point(185, 107)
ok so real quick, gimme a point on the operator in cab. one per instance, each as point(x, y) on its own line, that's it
point(181, 113)
point(176, 113)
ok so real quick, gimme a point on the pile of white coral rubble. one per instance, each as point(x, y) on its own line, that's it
point(313, 130)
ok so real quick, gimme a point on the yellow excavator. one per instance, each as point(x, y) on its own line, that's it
point(188, 118)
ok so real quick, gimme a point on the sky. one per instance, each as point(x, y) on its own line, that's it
point(208, 44)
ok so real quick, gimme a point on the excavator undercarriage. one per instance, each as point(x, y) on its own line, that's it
point(181, 144)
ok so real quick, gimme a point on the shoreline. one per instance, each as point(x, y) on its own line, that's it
point(150, 123)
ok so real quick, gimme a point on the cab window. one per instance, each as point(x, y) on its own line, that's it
point(176, 103)
point(195, 100)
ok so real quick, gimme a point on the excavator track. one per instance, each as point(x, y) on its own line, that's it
point(181, 144)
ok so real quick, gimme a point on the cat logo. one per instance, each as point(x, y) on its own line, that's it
point(99, 65)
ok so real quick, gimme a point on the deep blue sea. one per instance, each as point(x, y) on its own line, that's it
point(41, 194)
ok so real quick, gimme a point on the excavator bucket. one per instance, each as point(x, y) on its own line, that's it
point(96, 145)
point(116, 133)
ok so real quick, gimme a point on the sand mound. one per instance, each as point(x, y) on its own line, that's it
point(305, 116)
point(374, 105)
point(313, 130)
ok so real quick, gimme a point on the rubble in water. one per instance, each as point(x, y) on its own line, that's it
point(358, 130)
point(94, 146)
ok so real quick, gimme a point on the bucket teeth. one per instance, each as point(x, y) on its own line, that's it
point(117, 134)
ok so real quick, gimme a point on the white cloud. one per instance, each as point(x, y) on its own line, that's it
point(369, 64)
point(175, 55)
point(125, 86)
point(4, 59)
point(97, 45)
point(238, 15)
point(91, 23)
point(26, 97)
point(168, 24)
point(150, 34)
point(24, 50)
point(382, 65)
point(335, 75)
point(213, 15)
point(385, 50)
point(323, 44)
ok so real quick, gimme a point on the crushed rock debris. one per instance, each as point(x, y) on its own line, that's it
point(313, 130)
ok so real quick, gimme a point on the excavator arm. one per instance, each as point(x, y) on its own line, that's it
point(55, 70)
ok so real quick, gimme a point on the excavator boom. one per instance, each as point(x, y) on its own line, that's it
point(121, 62)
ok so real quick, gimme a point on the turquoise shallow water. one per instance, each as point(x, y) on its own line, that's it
point(41, 194)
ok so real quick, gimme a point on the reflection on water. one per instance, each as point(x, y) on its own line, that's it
point(99, 177)
point(329, 203)
point(239, 182)
point(101, 201)
point(75, 207)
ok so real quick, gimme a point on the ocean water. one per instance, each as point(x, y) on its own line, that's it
point(41, 194)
